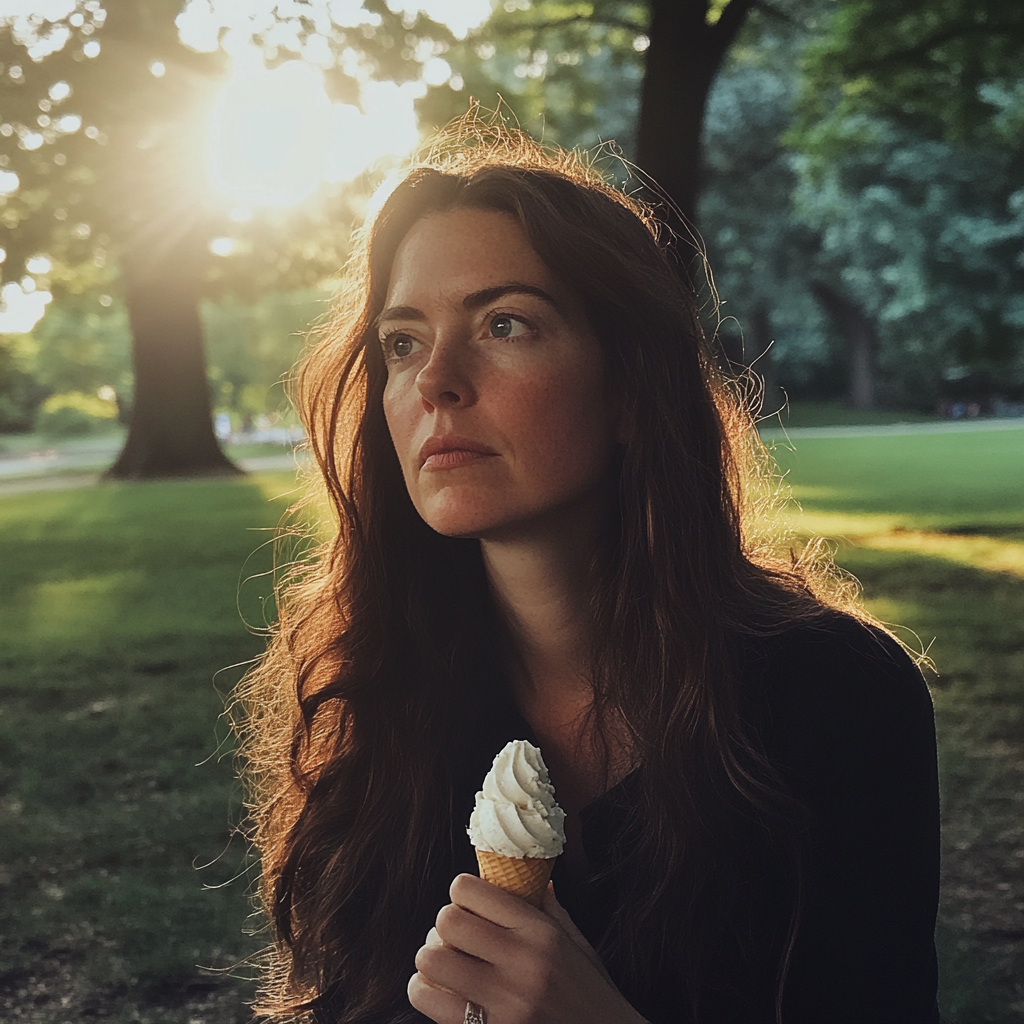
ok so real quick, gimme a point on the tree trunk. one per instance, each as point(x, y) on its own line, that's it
point(171, 428)
point(682, 60)
point(762, 361)
point(858, 333)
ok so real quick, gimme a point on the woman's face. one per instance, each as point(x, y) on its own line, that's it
point(496, 396)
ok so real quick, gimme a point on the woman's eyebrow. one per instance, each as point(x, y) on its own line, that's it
point(486, 296)
point(475, 300)
point(399, 313)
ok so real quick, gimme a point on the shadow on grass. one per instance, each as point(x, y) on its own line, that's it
point(973, 623)
point(117, 793)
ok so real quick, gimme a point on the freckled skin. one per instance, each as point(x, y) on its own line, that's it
point(521, 375)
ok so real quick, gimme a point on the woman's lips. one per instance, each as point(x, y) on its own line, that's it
point(452, 459)
point(448, 452)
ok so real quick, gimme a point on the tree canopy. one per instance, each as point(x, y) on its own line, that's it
point(946, 68)
point(857, 160)
point(871, 222)
point(110, 111)
point(108, 114)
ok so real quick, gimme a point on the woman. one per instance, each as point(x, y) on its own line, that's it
point(539, 479)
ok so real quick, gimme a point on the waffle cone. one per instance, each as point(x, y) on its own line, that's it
point(525, 877)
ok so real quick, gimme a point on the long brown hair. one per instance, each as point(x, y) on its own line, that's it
point(371, 678)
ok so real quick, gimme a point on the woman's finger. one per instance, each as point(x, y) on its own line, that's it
point(454, 970)
point(441, 1005)
point(474, 935)
point(488, 901)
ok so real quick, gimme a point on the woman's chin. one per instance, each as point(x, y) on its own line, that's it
point(465, 525)
point(466, 516)
point(486, 515)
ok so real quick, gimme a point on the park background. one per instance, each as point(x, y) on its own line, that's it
point(177, 184)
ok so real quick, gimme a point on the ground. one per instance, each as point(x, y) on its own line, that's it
point(123, 604)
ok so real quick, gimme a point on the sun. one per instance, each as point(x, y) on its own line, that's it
point(275, 135)
point(270, 136)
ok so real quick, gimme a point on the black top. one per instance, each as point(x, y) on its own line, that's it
point(846, 718)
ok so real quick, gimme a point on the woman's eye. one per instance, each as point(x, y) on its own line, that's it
point(504, 326)
point(398, 346)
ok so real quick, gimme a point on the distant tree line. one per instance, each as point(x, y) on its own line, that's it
point(82, 348)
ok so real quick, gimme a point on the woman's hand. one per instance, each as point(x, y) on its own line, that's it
point(523, 966)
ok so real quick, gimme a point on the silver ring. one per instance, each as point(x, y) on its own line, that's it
point(474, 1014)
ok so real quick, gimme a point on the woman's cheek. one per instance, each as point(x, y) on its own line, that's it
point(401, 409)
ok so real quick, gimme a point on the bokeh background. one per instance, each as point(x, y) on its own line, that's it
point(178, 181)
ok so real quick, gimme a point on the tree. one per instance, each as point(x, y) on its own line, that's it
point(127, 191)
point(251, 347)
point(767, 256)
point(899, 242)
point(82, 344)
point(925, 238)
point(109, 112)
point(947, 68)
point(910, 134)
point(762, 253)
point(581, 70)
point(20, 392)
point(689, 41)
point(569, 73)
point(100, 152)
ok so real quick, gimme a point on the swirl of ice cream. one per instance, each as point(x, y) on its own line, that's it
point(516, 814)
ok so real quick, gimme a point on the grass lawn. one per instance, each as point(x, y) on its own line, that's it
point(836, 414)
point(120, 607)
point(117, 613)
point(933, 527)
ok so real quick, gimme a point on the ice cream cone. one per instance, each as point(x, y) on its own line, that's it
point(525, 877)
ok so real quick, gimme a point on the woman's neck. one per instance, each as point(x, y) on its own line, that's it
point(542, 582)
point(544, 587)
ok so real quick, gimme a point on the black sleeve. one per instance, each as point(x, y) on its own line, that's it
point(852, 727)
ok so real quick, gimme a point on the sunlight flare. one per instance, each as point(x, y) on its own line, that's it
point(275, 135)
point(270, 136)
point(386, 126)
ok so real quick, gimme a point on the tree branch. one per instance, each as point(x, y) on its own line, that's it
point(772, 12)
point(543, 26)
point(946, 35)
point(724, 31)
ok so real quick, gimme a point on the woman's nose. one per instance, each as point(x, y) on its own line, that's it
point(445, 379)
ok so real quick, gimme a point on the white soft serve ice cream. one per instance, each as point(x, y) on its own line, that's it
point(516, 814)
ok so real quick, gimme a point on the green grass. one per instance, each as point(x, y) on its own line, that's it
point(837, 414)
point(956, 481)
point(933, 527)
point(119, 609)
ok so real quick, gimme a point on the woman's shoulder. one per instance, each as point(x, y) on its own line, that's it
point(846, 719)
point(831, 656)
point(837, 687)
